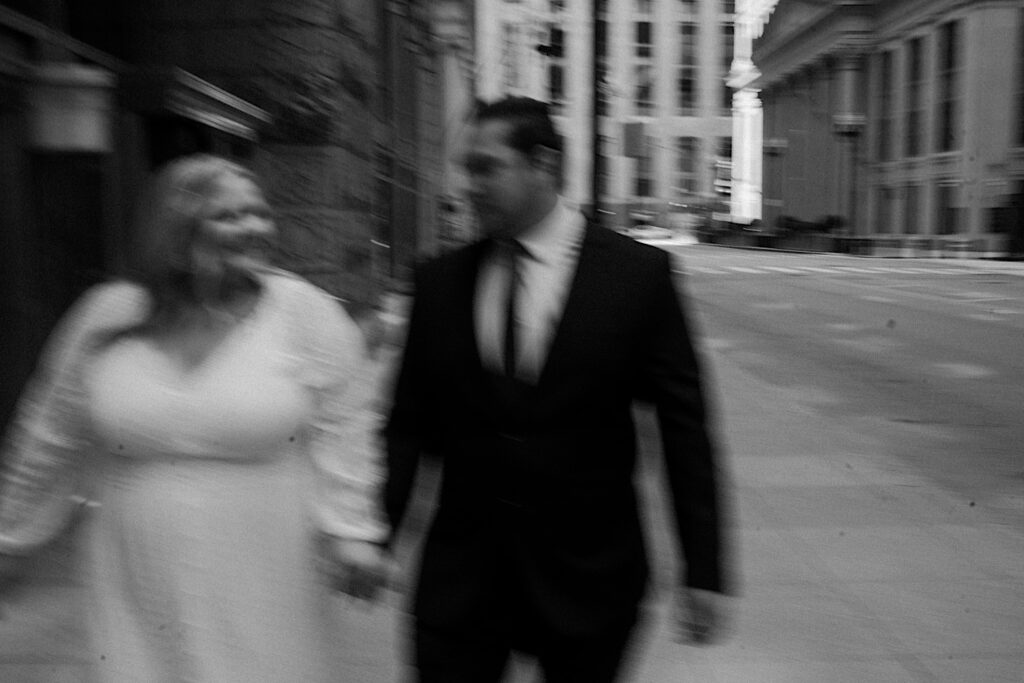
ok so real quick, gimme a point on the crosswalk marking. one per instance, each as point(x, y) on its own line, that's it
point(780, 269)
point(830, 270)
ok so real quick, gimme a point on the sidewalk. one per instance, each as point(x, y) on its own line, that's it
point(851, 567)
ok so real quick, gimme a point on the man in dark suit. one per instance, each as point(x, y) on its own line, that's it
point(525, 352)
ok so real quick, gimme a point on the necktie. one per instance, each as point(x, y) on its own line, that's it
point(513, 254)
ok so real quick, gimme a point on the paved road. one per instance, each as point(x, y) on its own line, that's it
point(933, 347)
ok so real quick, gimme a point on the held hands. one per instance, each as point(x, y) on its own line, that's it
point(700, 616)
point(357, 568)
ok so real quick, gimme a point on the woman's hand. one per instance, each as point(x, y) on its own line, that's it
point(357, 568)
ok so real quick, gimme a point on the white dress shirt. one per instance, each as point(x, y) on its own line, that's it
point(546, 274)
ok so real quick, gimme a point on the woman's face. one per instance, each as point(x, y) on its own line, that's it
point(236, 238)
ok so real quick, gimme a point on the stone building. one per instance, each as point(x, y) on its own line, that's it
point(426, 91)
point(902, 117)
point(664, 106)
point(335, 104)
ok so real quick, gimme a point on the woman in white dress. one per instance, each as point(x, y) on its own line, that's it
point(216, 411)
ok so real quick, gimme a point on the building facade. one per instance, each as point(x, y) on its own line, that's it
point(95, 94)
point(664, 108)
point(904, 118)
point(425, 94)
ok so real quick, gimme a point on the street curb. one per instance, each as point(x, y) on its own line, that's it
point(1001, 260)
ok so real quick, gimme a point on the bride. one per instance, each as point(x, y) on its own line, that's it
point(215, 410)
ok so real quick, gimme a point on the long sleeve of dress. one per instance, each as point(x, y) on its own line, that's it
point(342, 440)
point(45, 449)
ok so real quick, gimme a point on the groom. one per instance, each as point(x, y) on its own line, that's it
point(524, 355)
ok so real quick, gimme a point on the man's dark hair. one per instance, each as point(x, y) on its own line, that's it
point(530, 121)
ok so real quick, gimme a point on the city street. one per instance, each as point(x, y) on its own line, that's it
point(869, 413)
point(927, 353)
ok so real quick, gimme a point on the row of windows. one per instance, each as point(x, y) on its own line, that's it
point(685, 153)
point(947, 217)
point(912, 196)
point(908, 101)
point(647, 6)
point(642, 6)
point(644, 94)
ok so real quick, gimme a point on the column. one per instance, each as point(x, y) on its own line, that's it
point(746, 169)
point(847, 124)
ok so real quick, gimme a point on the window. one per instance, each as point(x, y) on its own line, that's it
point(643, 69)
point(643, 84)
point(728, 6)
point(883, 141)
point(946, 215)
point(685, 183)
point(643, 182)
point(728, 39)
point(883, 210)
point(725, 148)
point(915, 103)
point(556, 41)
point(556, 85)
point(722, 181)
point(643, 6)
point(555, 52)
point(947, 133)
point(644, 41)
point(686, 70)
point(912, 209)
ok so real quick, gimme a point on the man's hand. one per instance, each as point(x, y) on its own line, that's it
point(700, 616)
point(356, 568)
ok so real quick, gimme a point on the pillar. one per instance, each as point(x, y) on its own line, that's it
point(847, 124)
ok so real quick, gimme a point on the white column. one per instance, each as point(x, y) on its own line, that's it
point(747, 155)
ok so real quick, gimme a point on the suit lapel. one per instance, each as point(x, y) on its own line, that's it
point(466, 286)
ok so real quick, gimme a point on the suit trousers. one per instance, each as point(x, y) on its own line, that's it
point(481, 654)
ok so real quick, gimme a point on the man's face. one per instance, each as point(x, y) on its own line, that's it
point(503, 182)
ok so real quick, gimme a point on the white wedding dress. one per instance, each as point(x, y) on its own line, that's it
point(212, 485)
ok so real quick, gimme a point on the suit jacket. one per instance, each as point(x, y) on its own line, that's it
point(537, 508)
